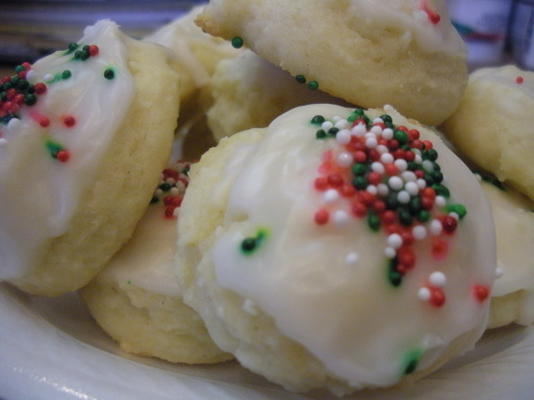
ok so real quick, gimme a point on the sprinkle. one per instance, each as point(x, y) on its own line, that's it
point(419, 232)
point(340, 218)
point(313, 85)
point(237, 42)
point(435, 227)
point(395, 183)
point(394, 240)
point(342, 124)
point(109, 73)
point(411, 188)
point(330, 196)
point(423, 294)
point(412, 361)
point(387, 133)
point(437, 297)
point(390, 252)
point(300, 78)
point(371, 142)
point(359, 129)
point(421, 183)
point(383, 189)
point(481, 293)
point(343, 137)
point(403, 197)
point(352, 258)
point(433, 16)
point(519, 80)
point(401, 164)
point(386, 158)
point(321, 217)
point(69, 121)
point(48, 77)
point(317, 120)
point(437, 279)
point(326, 125)
point(344, 159)
point(372, 189)
point(13, 123)
point(499, 272)
point(440, 201)
point(66, 74)
point(251, 244)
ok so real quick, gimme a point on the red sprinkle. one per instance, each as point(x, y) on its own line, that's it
point(406, 257)
point(335, 180)
point(40, 88)
point(359, 209)
point(481, 292)
point(519, 80)
point(63, 156)
point(439, 249)
point(347, 190)
point(93, 50)
point(322, 217)
point(169, 211)
point(69, 121)
point(449, 224)
point(45, 122)
point(320, 183)
point(437, 297)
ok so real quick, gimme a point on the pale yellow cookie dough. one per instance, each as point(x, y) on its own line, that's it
point(106, 217)
point(249, 92)
point(494, 124)
point(369, 53)
point(513, 292)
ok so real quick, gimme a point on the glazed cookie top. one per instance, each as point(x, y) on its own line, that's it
point(364, 238)
point(514, 221)
point(57, 118)
point(508, 76)
point(147, 261)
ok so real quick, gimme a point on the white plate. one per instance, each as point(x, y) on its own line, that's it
point(50, 349)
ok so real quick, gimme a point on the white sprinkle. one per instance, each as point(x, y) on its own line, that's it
point(401, 165)
point(326, 125)
point(411, 188)
point(403, 197)
point(421, 183)
point(330, 195)
point(343, 137)
point(390, 252)
point(395, 183)
point(499, 272)
point(359, 129)
point(3, 142)
point(395, 240)
point(428, 165)
point(479, 177)
point(344, 159)
point(174, 191)
point(383, 189)
point(454, 215)
point(372, 189)
point(342, 124)
point(382, 149)
point(419, 232)
point(176, 212)
point(13, 123)
point(370, 135)
point(387, 133)
point(29, 75)
point(435, 227)
point(423, 294)
point(249, 307)
point(336, 118)
point(371, 143)
point(441, 201)
point(438, 279)
point(352, 258)
point(418, 159)
point(159, 192)
point(378, 120)
point(376, 129)
point(408, 176)
point(417, 152)
point(48, 77)
point(420, 15)
point(378, 167)
point(340, 217)
point(386, 158)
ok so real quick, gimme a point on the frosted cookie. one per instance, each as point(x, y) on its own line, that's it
point(84, 134)
point(196, 52)
point(249, 92)
point(513, 293)
point(337, 249)
point(400, 52)
point(494, 124)
point(137, 300)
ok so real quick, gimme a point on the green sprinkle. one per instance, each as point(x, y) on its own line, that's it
point(373, 221)
point(431, 155)
point(437, 176)
point(23, 84)
point(251, 244)
point(353, 117)
point(424, 216)
point(441, 190)
point(359, 182)
point(317, 120)
point(154, 200)
point(165, 186)
point(359, 169)
point(401, 137)
point(66, 74)
point(394, 277)
point(109, 73)
point(391, 201)
point(386, 118)
point(129, 282)
point(71, 48)
point(320, 134)
point(494, 181)
point(411, 361)
point(458, 209)
point(333, 131)
point(415, 205)
point(19, 68)
point(405, 217)
point(53, 147)
point(300, 78)
point(359, 112)
point(30, 99)
point(313, 85)
point(237, 42)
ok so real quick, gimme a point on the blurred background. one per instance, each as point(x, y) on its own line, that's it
point(496, 31)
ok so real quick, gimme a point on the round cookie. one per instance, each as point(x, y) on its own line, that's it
point(136, 298)
point(400, 52)
point(318, 268)
point(513, 293)
point(249, 92)
point(196, 52)
point(83, 137)
point(494, 124)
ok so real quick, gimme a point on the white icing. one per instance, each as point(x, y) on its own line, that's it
point(408, 16)
point(514, 225)
point(350, 318)
point(506, 76)
point(39, 194)
point(147, 261)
